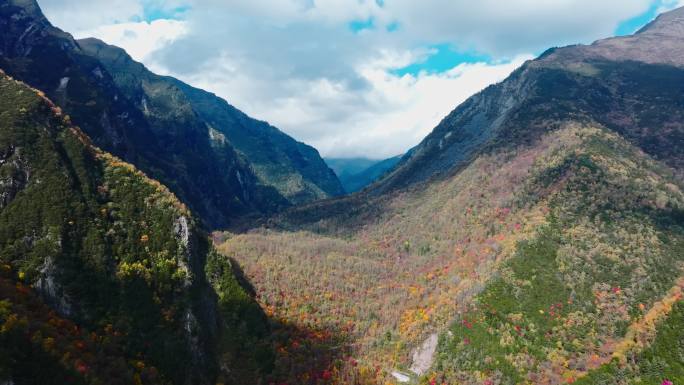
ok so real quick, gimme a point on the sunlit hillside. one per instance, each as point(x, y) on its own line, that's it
point(543, 255)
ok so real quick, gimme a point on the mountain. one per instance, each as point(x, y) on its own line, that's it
point(295, 169)
point(535, 236)
point(349, 166)
point(150, 121)
point(357, 173)
point(105, 274)
point(610, 82)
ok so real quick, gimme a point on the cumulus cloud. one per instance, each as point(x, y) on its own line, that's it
point(140, 39)
point(299, 65)
point(78, 15)
point(667, 5)
point(504, 28)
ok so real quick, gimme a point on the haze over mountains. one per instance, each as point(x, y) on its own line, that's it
point(536, 235)
point(357, 173)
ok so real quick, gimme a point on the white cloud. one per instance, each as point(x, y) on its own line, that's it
point(386, 118)
point(78, 15)
point(508, 27)
point(140, 39)
point(667, 5)
point(297, 64)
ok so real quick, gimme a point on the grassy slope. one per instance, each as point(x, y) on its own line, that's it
point(111, 251)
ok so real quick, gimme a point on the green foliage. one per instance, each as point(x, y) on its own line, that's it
point(245, 342)
point(576, 286)
point(111, 249)
point(662, 360)
point(222, 162)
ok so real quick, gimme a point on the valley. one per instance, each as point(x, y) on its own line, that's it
point(152, 233)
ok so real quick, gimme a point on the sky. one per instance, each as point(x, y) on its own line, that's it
point(353, 78)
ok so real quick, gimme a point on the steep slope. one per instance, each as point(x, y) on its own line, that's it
point(629, 84)
point(566, 302)
point(357, 173)
point(535, 236)
point(131, 280)
point(176, 148)
point(293, 168)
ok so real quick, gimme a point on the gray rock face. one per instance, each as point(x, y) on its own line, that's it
point(294, 169)
point(424, 355)
point(14, 175)
point(52, 292)
point(460, 135)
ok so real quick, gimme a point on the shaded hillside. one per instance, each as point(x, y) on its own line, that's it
point(119, 260)
point(349, 166)
point(357, 173)
point(179, 135)
point(295, 169)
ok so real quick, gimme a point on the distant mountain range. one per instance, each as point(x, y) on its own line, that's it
point(224, 164)
point(357, 173)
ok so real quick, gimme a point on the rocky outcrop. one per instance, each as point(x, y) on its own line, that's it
point(14, 174)
point(102, 244)
point(51, 290)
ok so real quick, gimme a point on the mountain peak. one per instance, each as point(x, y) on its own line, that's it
point(668, 23)
point(30, 7)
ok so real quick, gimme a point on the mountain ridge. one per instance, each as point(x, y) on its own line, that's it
point(293, 168)
point(536, 235)
point(217, 182)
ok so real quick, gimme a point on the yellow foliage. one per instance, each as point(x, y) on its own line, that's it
point(642, 332)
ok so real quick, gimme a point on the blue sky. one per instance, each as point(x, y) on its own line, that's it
point(440, 57)
point(152, 12)
point(351, 77)
point(443, 57)
point(635, 23)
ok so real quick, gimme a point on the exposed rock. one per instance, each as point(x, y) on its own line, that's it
point(401, 377)
point(51, 290)
point(15, 175)
point(424, 354)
